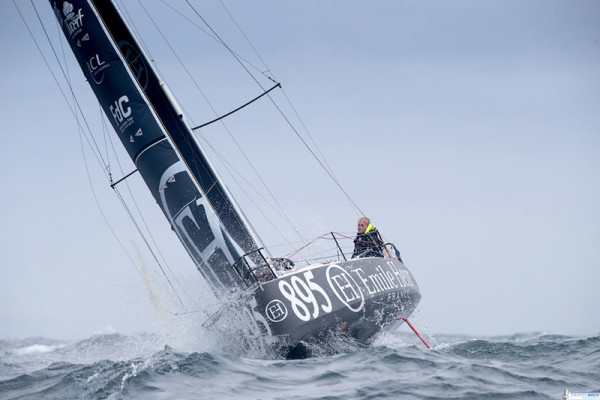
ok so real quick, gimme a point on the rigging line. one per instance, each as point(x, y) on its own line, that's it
point(75, 115)
point(80, 134)
point(285, 95)
point(305, 246)
point(80, 130)
point(278, 85)
point(206, 99)
point(139, 37)
point(307, 132)
point(137, 226)
point(141, 215)
point(215, 39)
point(283, 213)
point(106, 137)
point(295, 243)
point(181, 63)
point(282, 114)
point(87, 170)
point(107, 222)
point(215, 112)
point(274, 79)
point(233, 53)
point(315, 156)
point(97, 152)
point(233, 172)
point(254, 202)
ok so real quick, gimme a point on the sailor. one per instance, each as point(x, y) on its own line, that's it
point(368, 242)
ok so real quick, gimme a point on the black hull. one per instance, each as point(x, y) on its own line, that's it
point(358, 298)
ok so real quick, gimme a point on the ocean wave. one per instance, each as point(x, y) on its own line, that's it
point(116, 366)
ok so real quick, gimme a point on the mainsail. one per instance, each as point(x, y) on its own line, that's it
point(152, 128)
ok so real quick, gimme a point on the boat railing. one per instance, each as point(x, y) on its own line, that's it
point(392, 251)
point(254, 269)
point(332, 247)
point(327, 248)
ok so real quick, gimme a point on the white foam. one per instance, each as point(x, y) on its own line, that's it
point(38, 348)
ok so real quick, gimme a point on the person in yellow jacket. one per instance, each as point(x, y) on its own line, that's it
point(368, 242)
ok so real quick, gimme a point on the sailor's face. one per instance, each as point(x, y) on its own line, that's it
point(362, 225)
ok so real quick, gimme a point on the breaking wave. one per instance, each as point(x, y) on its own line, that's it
point(146, 366)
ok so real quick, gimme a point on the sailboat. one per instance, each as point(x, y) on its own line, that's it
point(288, 304)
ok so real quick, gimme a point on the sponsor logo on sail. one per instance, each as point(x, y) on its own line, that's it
point(198, 227)
point(73, 20)
point(96, 66)
point(136, 62)
point(121, 113)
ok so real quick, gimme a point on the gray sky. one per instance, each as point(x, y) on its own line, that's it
point(468, 131)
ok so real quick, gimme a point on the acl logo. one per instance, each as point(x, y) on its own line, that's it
point(96, 68)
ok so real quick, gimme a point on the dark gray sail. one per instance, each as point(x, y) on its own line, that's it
point(151, 127)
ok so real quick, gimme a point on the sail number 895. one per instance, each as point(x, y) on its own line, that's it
point(301, 293)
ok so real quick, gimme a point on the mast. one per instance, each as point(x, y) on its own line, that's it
point(152, 129)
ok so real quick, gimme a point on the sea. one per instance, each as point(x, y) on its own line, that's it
point(396, 366)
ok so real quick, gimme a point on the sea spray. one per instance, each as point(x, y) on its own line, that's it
point(148, 366)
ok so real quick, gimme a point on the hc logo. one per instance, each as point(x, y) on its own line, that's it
point(276, 311)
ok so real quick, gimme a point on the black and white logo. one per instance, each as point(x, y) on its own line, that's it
point(276, 311)
point(73, 20)
point(345, 288)
point(96, 66)
point(136, 62)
